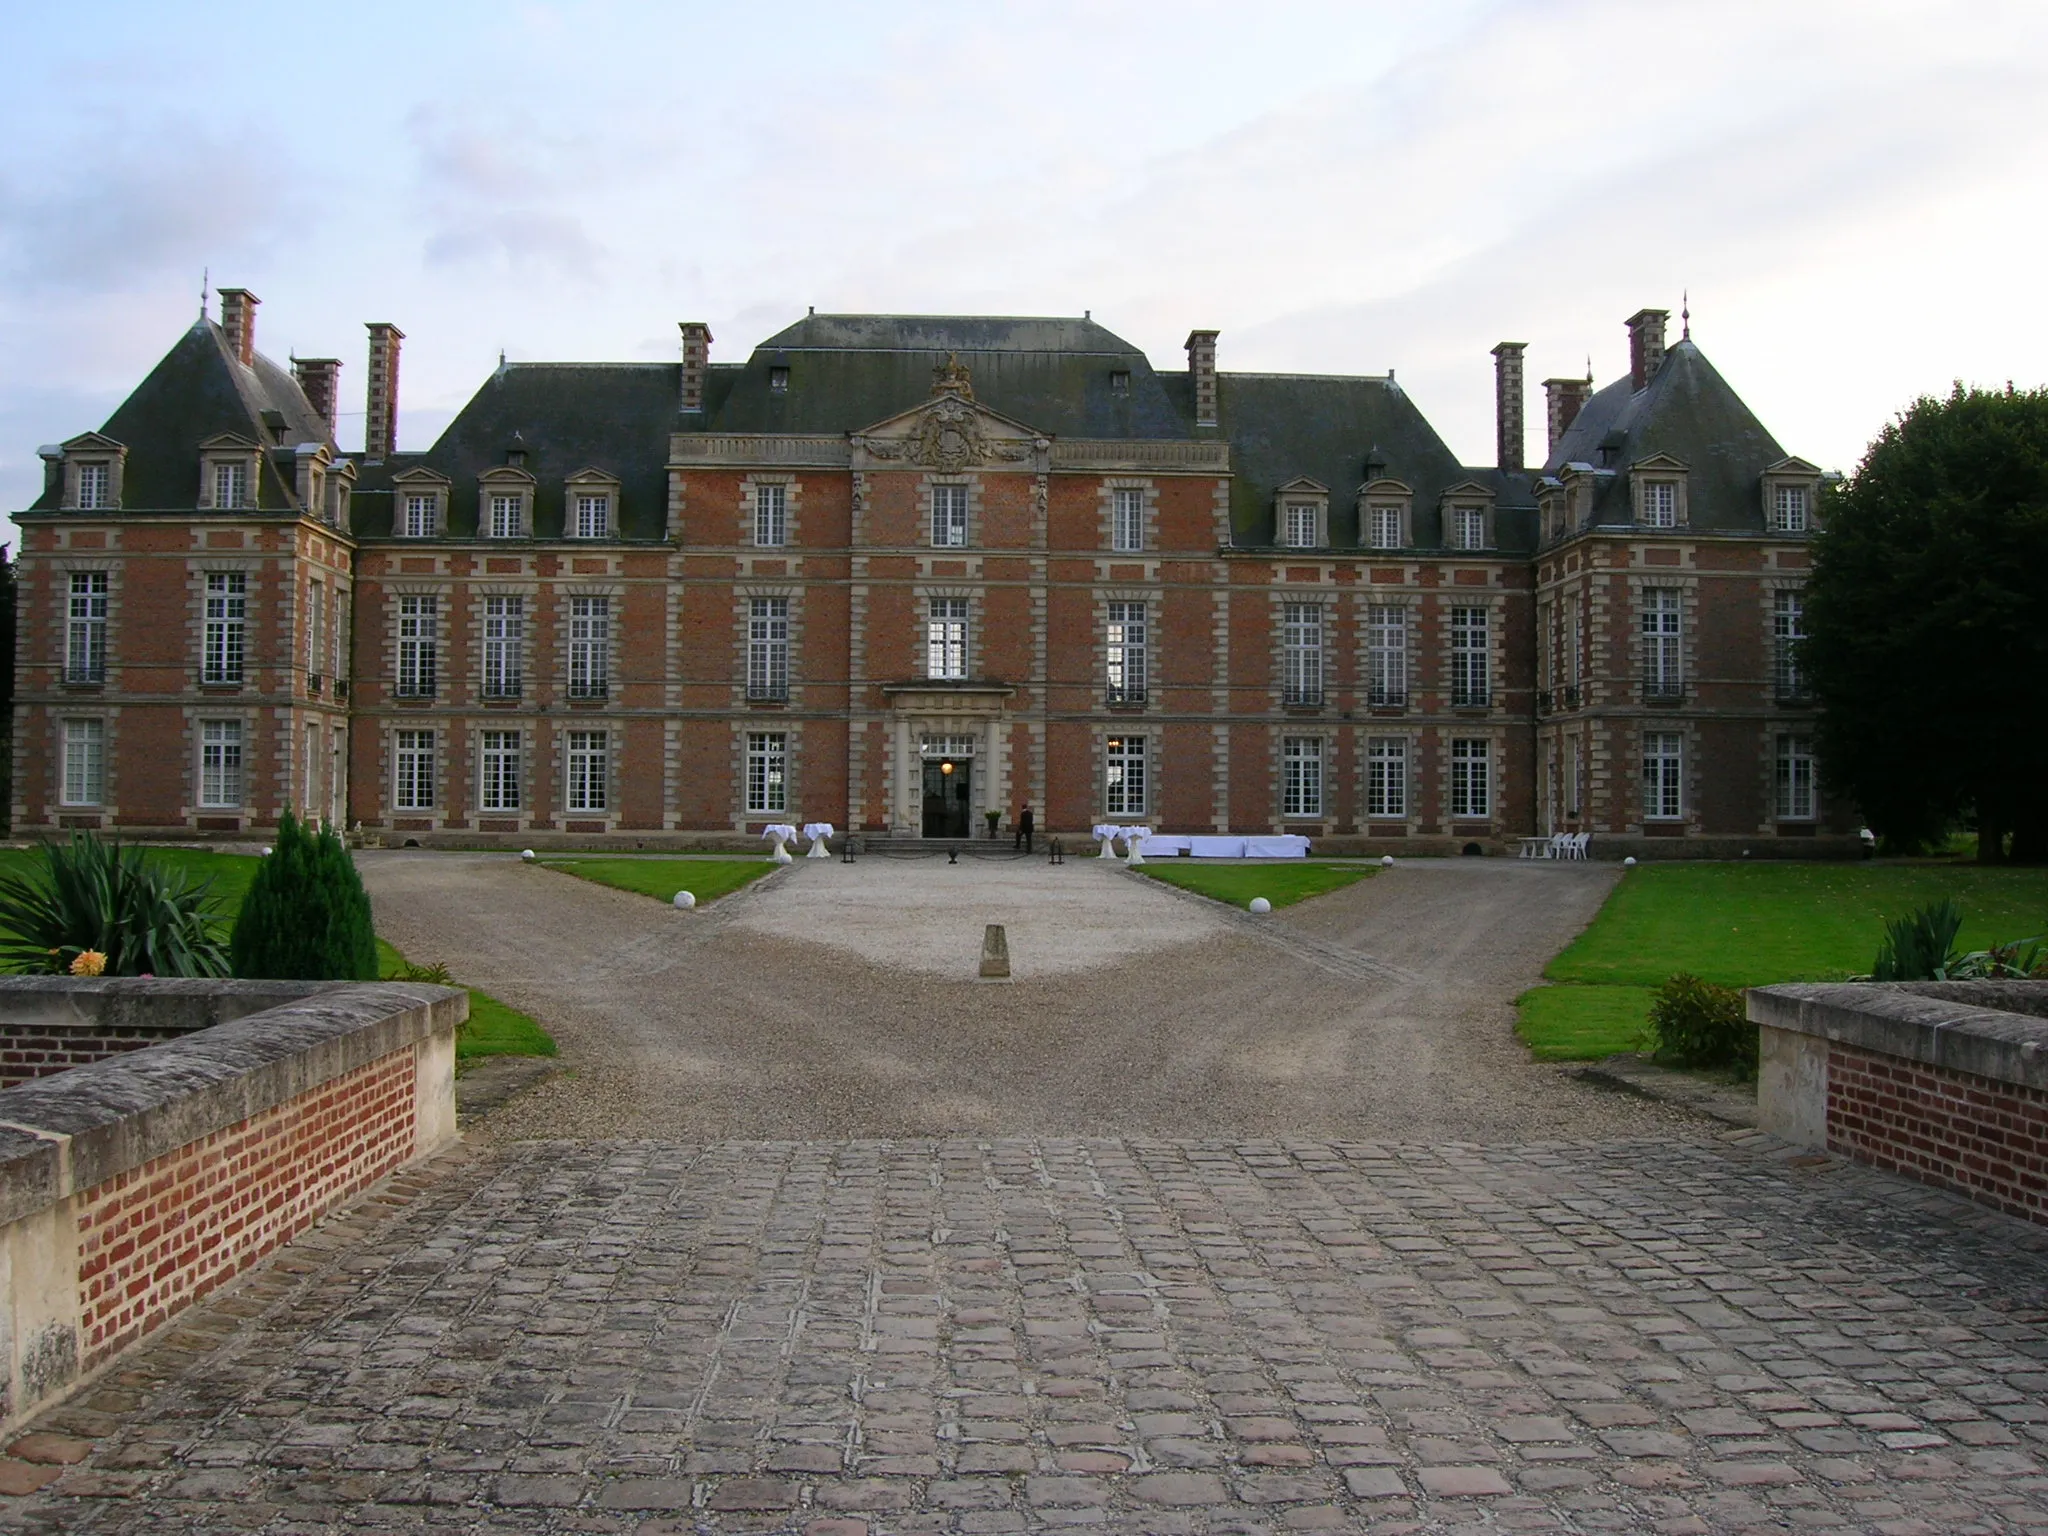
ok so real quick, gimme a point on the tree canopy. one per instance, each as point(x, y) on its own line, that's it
point(1927, 623)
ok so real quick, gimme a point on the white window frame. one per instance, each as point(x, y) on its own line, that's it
point(1468, 527)
point(590, 647)
point(1663, 776)
point(767, 783)
point(499, 760)
point(1301, 654)
point(1384, 521)
point(412, 769)
point(95, 482)
point(1301, 778)
point(1471, 778)
point(230, 484)
point(1788, 628)
point(1127, 520)
point(1798, 779)
point(419, 646)
point(1298, 521)
point(504, 646)
point(83, 776)
point(949, 515)
point(507, 513)
point(316, 608)
point(1386, 655)
point(768, 648)
point(1127, 777)
point(1663, 642)
point(1791, 509)
point(224, 640)
point(1127, 640)
point(1660, 503)
point(588, 775)
point(593, 515)
point(945, 639)
point(1386, 778)
point(1471, 656)
point(771, 515)
point(421, 515)
point(221, 786)
point(85, 628)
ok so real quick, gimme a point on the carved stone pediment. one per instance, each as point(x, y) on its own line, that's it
point(951, 431)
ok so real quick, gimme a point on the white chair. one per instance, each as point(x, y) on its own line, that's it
point(1579, 843)
point(1560, 845)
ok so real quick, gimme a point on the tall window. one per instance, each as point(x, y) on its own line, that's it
point(1471, 680)
point(767, 773)
point(589, 770)
point(85, 635)
point(590, 647)
point(1788, 509)
point(316, 608)
point(226, 630)
point(312, 800)
point(1468, 527)
point(1386, 527)
point(594, 516)
point(1471, 779)
point(85, 762)
point(504, 647)
point(499, 762)
point(412, 771)
point(92, 487)
point(419, 646)
point(506, 519)
point(768, 647)
point(1301, 653)
point(1660, 503)
point(418, 521)
point(771, 516)
point(1572, 777)
point(1578, 643)
point(1663, 775)
point(945, 637)
point(1127, 521)
point(1663, 677)
point(1386, 654)
point(1126, 782)
point(220, 764)
point(1127, 658)
point(1386, 778)
point(1788, 628)
point(1298, 528)
point(1301, 776)
point(949, 516)
point(1795, 778)
point(231, 485)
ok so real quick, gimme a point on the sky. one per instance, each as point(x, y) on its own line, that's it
point(1848, 193)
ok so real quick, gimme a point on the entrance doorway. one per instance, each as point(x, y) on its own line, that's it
point(948, 763)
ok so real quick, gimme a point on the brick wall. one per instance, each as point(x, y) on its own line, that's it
point(29, 1051)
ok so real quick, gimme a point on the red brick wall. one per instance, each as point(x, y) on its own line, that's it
point(159, 1237)
point(1984, 1138)
point(42, 1050)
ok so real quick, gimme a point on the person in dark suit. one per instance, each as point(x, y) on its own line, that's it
point(1024, 825)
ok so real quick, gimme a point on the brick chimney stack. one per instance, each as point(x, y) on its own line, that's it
point(1645, 345)
point(1202, 373)
point(696, 365)
point(380, 431)
point(1508, 407)
point(238, 319)
point(1566, 398)
point(320, 380)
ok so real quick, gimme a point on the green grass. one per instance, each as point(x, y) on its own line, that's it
point(707, 879)
point(1281, 884)
point(1748, 925)
point(229, 872)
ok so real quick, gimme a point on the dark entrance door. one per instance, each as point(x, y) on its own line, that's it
point(948, 796)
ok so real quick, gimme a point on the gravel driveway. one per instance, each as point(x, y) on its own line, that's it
point(1381, 1012)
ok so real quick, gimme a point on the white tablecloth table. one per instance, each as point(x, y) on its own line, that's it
point(818, 832)
point(1288, 846)
point(1164, 845)
point(782, 834)
point(1134, 841)
point(1106, 833)
point(1216, 847)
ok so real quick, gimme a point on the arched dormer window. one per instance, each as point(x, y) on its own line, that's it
point(1386, 514)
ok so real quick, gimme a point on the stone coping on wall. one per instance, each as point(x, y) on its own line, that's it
point(1990, 1029)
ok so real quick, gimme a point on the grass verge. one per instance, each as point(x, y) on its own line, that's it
point(1281, 884)
point(706, 879)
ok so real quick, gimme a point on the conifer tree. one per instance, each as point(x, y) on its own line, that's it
point(307, 916)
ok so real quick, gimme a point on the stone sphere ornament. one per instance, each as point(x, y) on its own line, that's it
point(526, 855)
point(1261, 906)
point(685, 900)
point(266, 853)
point(1386, 861)
point(1629, 862)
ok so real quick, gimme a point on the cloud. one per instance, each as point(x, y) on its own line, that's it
point(495, 190)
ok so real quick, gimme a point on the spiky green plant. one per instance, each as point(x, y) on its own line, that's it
point(307, 916)
point(147, 917)
point(1921, 945)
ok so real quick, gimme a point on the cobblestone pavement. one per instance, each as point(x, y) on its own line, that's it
point(1675, 1334)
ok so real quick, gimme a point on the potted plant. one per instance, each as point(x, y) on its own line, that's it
point(993, 816)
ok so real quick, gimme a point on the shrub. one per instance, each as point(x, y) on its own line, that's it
point(1920, 945)
point(140, 916)
point(307, 916)
point(1694, 1023)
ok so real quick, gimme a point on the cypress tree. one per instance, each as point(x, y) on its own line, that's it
point(307, 916)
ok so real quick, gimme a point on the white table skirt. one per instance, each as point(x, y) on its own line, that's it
point(1290, 846)
point(1163, 845)
point(1216, 847)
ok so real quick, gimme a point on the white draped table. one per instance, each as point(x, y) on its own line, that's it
point(818, 832)
point(783, 834)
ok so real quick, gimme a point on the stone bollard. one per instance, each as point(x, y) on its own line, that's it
point(995, 953)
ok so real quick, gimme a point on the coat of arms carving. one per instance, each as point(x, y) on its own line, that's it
point(950, 434)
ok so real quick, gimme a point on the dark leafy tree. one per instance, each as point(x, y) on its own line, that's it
point(307, 916)
point(1927, 617)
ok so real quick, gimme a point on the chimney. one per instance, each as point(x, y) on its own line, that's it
point(1566, 398)
point(1645, 345)
point(1202, 373)
point(696, 364)
point(320, 381)
point(1508, 446)
point(380, 431)
point(238, 319)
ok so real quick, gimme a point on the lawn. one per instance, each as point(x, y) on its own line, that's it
point(1281, 884)
point(706, 879)
point(1747, 925)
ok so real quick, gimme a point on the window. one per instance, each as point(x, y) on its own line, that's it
point(1788, 628)
point(1471, 780)
point(949, 516)
point(316, 606)
point(590, 647)
point(767, 773)
point(1663, 775)
point(220, 764)
point(1788, 509)
point(594, 516)
point(1578, 643)
point(508, 519)
point(1386, 654)
point(92, 487)
point(1660, 503)
point(499, 761)
point(778, 379)
point(412, 775)
point(312, 800)
point(419, 646)
point(1127, 658)
point(768, 648)
point(227, 622)
point(1298, 525)
point(1795, 778)
point(1301, 776)
point(420, 520)
point(589, 770)
point(85, 636)
point(504, 647)
point(1663, 677)
point(1468, 527)
point(945, 652)
point(1471, 682)
point(1125, 780)
point(231, 484)
point(1119, 381)
point(1127, 521)
point(1386, 778)
point(1301, 653)
point(1385, 527)
point(771, 516)
point(85, 762)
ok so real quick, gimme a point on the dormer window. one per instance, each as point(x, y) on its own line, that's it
point(230, 484)
point(594, 515)
point(420, 516)
point(507, 515)
point(1384, 526)
point(1120, 381)
point(591, 505)
point(94, 484)
point(1300, 531)
point(1301, 514)
point(778, 380)
point(1658, 491)
point(1468, 527)
point(1660, 504)
point(1789, 509)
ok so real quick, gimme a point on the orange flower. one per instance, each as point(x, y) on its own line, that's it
point(90, 962)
